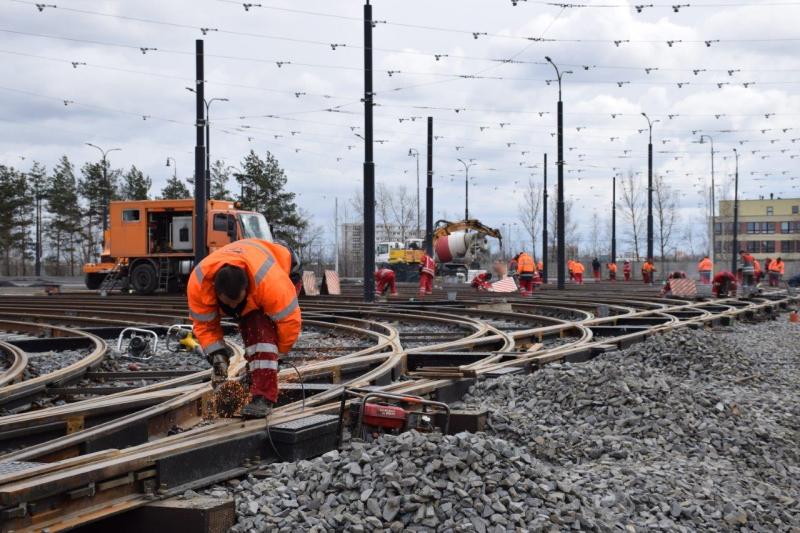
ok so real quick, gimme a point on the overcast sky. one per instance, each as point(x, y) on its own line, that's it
point(307, 111)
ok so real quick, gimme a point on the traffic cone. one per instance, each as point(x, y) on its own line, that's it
point(793, 317)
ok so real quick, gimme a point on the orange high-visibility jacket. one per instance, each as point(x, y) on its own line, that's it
point(776, 266)
point(577, 267)
point(570, 263)
point(427, 266)
point(612, 267)
point(269, 290)
point(705, 265)
point(648, 267)
point(756, 265)
point(525, 263)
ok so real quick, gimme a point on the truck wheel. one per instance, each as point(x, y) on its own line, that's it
point(144, 279)
point(93, 281)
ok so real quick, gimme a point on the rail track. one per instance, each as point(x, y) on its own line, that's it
point(85, 457)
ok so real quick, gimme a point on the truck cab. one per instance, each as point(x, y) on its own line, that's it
point(149, 244)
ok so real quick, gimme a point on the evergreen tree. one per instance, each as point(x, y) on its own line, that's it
point(8, 185)
point(37, 179)
point(134, 185)
point(63, 231)
point(262, 183)
point(92, 188)
point(175, 189)
point(220, 177)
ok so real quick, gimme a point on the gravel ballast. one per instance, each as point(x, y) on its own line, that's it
point(690, 431)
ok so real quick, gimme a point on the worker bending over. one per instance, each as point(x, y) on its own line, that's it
point(612, 271)
point(776, 271)
point(427, 269)
point(724, 285)
point(385, 281)
point(526, 267)
point(248, 281)
point(626, 270)
point(705, 267)
point(482, 282)
point(577, 272)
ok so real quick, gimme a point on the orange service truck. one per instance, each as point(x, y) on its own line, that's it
point(149, 244)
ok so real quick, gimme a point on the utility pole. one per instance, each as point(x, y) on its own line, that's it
point(562, 251)
point(199, 158)
point(429, 193)
point(336, 234)
point(106, 187)
point(712, 245)
point(544, 225)
point(415, 152)
point(369, 164)
point(650, 188)
point(735, 244)
point(466, 187)
point(614, 219)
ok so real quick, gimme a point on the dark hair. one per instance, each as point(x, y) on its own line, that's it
point(230, 281)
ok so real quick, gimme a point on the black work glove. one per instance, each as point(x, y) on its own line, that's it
point(219, 360)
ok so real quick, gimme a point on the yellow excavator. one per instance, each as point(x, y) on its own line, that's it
point(457, 246)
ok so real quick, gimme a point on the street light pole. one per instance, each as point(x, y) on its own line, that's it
point(735, 244)
point(174, 167)
point(415, 152)
point(544, 224)
point(106, 192)
point(650, 188)
point(466, 187)
point(561, 259)
point(369, 163)
point(712, 244)
point(208, 138)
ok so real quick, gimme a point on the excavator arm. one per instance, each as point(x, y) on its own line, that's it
point(445, 227)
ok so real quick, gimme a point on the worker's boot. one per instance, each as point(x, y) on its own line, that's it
point(258, 407)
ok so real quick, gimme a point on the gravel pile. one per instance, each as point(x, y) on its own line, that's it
point(41, 363)
point(692, 431)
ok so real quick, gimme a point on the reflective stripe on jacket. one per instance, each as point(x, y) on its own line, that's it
point(269, 289)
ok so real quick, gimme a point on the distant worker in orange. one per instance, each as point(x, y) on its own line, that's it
point(427, 269)
point(526, 267)
point(578, 270)
point(626, 270)
point(385, 281)
point(482, 282)
point(776, 272)
point(612, 271)
point(648, 269)
point(248, 281)
point(705, 267)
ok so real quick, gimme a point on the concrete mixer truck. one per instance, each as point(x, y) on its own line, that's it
point(457, 246)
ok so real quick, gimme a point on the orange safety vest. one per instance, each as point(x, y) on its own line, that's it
point(427, 265)
point(269, 289)
point(612, 267)
point(577, 267)
point(756, 265)
point(570, 265)
point(706, 265)
point(776, 266)
point(648, 267)
point(525, 263)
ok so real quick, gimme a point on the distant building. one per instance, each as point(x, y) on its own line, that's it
point(768, 227)
point(351, 237)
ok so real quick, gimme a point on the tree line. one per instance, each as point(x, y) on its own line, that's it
point(71, 201)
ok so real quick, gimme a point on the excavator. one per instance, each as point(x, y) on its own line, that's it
point(458, 247)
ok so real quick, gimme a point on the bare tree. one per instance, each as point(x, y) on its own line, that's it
point(529, 210)
point(594, 235)
point(633, 210)
point(665, 202)
point(571, 235)
point(402, 207)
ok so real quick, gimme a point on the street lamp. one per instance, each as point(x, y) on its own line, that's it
point(208, 138)
point(414, 152)
point(735, 244)
point(106, 187)
point(650, 188)
point(561, 258)
point(174, 168)
point(712, 251)
point(466, 186)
